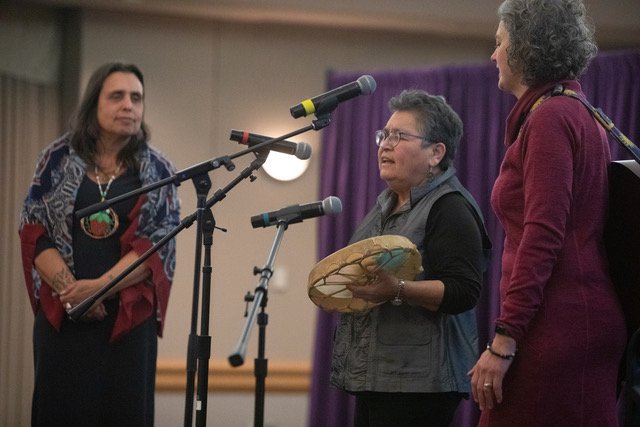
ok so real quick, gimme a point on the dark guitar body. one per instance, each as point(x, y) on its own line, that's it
point(622, 237)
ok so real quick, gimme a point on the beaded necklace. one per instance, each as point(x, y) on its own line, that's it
point(102, 224)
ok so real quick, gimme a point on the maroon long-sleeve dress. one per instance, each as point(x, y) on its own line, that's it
point(557, 300)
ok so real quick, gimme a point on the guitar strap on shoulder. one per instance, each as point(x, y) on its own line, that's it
point(597, 113)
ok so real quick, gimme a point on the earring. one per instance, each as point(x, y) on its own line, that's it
point(430, 174)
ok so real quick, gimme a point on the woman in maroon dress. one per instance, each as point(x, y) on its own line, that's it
point(560, 335)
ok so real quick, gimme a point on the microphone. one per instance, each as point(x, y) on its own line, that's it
point(296, 213)
point(326, 102)
point(299, 149)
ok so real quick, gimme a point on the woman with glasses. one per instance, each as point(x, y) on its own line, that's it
point(406, 361)
point(560, 334)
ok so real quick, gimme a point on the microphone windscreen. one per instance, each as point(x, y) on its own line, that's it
point(332, 205)
point(367, 84)
point(303, 151)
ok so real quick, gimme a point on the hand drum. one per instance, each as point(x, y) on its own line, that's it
point(357, 264)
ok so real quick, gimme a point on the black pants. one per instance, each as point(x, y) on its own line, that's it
point(374, 409)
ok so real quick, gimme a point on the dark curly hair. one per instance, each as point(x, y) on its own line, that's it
point(435, 118)
point(549, 40)
point(85, 128)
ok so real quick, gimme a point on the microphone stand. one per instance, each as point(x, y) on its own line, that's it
point(200, 346)
point(195, 173)
point(199, 177)
point(198, 351)
point(259, 299)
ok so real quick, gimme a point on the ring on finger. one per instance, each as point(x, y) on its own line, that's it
point(487, 385)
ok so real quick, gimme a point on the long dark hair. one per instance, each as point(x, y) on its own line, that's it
point(85, 128)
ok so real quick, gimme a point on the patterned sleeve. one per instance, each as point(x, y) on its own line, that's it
point(156, 214)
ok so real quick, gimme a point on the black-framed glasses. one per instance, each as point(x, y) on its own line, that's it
point(393, 138)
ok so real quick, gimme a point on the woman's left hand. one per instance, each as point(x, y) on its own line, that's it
point(488, 373)
point(380, 288)
point(79, 291)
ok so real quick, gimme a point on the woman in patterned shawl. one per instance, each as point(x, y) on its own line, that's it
point(99, 370)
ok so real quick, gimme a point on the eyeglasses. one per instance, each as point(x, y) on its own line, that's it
point(393, 138)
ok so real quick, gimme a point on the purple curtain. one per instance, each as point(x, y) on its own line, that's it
point(349, 171)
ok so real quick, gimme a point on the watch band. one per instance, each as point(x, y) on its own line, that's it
point(399, 299)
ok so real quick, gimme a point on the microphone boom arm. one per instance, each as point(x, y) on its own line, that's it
point(79, 310)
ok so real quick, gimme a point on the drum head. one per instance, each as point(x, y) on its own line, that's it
point(357, 264)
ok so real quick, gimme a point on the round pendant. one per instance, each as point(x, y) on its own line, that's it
point(100, 225)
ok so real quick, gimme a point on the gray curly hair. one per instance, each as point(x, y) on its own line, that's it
point(435, 119)
point(549, 40)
